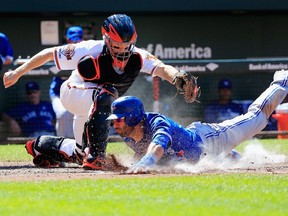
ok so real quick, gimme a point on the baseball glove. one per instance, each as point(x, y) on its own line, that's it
point(186, 84)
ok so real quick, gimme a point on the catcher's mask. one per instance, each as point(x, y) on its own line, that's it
point(119, 35)
point(128, 107)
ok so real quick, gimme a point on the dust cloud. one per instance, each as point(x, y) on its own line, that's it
point(253, 157)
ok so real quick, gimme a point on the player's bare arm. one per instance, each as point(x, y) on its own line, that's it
point(166, 72)
point(44, 56)
point(184, 81)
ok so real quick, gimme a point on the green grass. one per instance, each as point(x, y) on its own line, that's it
point(17, 152)
point(188, 195)
point(215, 194)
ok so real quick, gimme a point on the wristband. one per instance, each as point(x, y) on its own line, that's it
point(148, 160)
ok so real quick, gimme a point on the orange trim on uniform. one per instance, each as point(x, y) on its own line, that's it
point(154, 68)
point(94, 108)
point(29, 147)
point(65, 155)
point(97, 70)
point(56, 59)
point(69, 85)
point(105, 90)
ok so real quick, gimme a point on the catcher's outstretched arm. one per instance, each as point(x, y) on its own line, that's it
point(11, 77)
point(166, 72)
point(184, 81)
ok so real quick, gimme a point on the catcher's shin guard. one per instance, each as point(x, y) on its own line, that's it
point(48, 151)
point(39, 160)
point(43, 161)
point(96, 129)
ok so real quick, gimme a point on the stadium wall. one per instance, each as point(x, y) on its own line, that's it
point(241, 43)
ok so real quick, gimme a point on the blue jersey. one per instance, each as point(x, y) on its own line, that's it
point(5, 46)
point(175, 139)
point(216, 113)
point(34, 118)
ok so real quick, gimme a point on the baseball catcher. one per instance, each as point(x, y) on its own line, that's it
point(102, 71)
point(52, 151)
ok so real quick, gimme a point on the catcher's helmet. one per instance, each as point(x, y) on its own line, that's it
point(120, 36)
point(128, 107)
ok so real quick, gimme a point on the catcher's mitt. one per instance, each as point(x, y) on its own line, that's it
point(186, 84)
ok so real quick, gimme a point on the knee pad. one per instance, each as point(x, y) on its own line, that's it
point(97, 126)
point(48, 144)
point(111, 90)
point(104, 97)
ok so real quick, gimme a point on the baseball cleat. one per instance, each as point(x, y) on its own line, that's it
point(93, 164)
point(234, 155)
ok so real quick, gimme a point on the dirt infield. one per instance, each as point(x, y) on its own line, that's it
point(254, 160)
point(24, 171)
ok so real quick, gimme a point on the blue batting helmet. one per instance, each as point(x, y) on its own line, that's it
point(129, 107)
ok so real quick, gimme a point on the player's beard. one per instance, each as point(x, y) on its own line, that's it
point(126, 131)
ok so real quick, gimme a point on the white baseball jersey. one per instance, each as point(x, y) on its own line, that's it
point(75, 93)
point(66, 57)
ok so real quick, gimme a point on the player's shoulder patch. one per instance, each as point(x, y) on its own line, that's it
point(68, 51)
point(151, 57)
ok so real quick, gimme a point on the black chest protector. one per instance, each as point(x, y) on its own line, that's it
point(100, 70)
